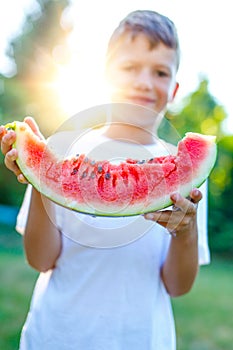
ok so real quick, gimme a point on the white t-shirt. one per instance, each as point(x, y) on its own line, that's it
point(105, 292)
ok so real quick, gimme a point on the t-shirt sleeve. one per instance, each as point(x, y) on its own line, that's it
point(202, 217)
point(23, 212)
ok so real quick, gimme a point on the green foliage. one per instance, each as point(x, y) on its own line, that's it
point(12, 100)
point(201, 113)
point(220, 198)
point(42, 32)
point(38, 51)
point(11, 191)
point(12, 105)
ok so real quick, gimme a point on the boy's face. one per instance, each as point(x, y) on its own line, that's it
point(141, 75)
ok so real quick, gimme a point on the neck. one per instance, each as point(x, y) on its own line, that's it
point(130, 133)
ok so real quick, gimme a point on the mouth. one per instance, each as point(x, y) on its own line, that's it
point(141, 100)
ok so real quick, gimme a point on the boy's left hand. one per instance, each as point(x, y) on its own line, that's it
point(182, 217)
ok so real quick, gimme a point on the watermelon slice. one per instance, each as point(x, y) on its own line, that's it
point(102, 188)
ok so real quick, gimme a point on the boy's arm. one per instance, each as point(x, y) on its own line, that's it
point(181, 265)
point(42, 238)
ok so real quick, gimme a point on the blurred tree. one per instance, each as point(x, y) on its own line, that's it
point(12, 98)
point(199, 112)
point(37, 51)
point(11, 104)
point(220, 199)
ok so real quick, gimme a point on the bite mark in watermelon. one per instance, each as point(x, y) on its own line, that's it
point(104, 189)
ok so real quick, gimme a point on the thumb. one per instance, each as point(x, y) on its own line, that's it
point(33, 125)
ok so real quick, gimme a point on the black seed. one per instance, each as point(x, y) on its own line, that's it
point(77, 155)
point(92, 162)
point(74, 171)
point(92, 175)
point(100, 169)
point(86, 160)
point(141, 162)
point(107, 176)
point(84, 174)
point(151, 160)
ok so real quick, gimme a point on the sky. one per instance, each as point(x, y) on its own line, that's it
point(204, 27)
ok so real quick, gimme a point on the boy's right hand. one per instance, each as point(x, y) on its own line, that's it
point(7, 138)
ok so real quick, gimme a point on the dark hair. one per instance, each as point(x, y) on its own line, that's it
point(156, 27)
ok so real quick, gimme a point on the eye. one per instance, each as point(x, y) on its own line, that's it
point(162, 73)
point(129, 68)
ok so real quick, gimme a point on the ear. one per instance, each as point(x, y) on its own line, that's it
point(175, 91)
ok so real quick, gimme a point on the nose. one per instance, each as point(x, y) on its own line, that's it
point(144, 80)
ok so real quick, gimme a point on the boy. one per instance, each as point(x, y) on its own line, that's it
point(115, 298)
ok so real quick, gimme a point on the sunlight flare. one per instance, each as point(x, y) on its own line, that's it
point(80, 84)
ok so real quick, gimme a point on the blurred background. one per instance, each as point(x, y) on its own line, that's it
point(51, 67)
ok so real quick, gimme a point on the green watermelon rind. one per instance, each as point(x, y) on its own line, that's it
point(164, 202)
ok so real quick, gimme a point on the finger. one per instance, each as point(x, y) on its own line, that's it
point(2, 132)
point(10, 163)
point(168, 219)
point(185, 205)
point(195, 195)
point(162, 217)
point(7, 141)
point(154, 216)
point(22, 179)
point(31, 122)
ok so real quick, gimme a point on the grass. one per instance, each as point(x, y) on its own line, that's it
point(17, 281)
point(204, 317)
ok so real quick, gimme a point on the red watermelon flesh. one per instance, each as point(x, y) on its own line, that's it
point(102, 188)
